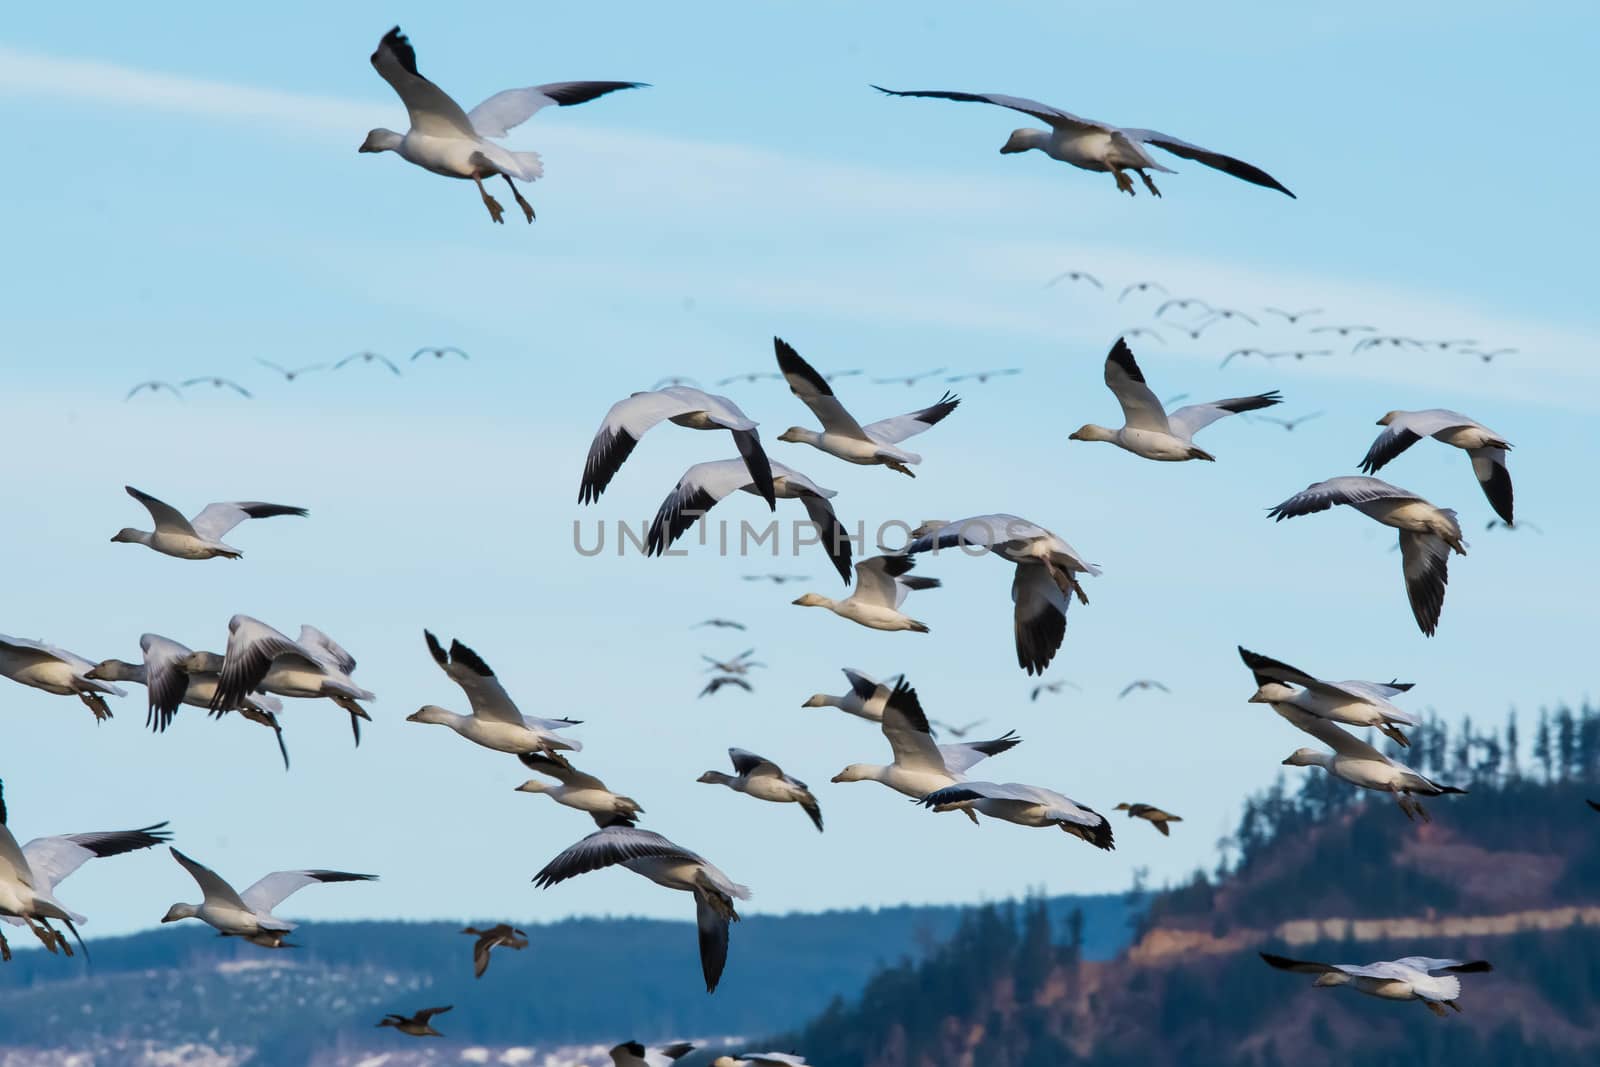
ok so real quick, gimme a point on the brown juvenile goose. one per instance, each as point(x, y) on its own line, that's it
point(417, 1025)
point(1150, 814)
point(503, 935)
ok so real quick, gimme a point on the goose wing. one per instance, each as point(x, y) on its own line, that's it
point(509, 108)
point(1216, 160)
point(211, 884)
point(1347, 489)
point(1140, 408)
point(488, 698)
point(608, 847)
point(1190, 420)
point(700, 489)
point(53, 858)
point(815, 392)
point(217, 519)
point(431, 109)
point(894, 430)
point(167, 518)
point(1043, 112)
point(278, 886)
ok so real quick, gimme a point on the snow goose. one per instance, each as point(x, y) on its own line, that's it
point(1142, 684)
point(249, 914)
point(720, 624)
point(576, 789)
point(666, 864)
point(1100, 146)
point(841, 435)
point(501, 935)
point(369, 357)
point(1486, 448)
point(1427, 533)
point(629, 419)
point(761, 778)
point(1354, 761)
point(1026, 805)
point(958, 731)
point(1352, 703)
point(290, 373)
point(1150, 814)
point(760, 1059)
point(1408, 978)
point(882, 584)
point(1053, 688)
point(865, 700)
point(55, 670)
point(741, 664)
point(418, 1025)
point(495, 722)
point(722, 680)
point(446, 140)
point(920, 766)
point(259, 657)
point(634, 1054)
point(1148, 429)
point(201, 536)
point(704, 484)
point(153, 387)
point(29, 875)
point(1041, 589)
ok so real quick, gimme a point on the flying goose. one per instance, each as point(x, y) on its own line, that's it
point(865, 699)
point(577, 790)
point(1427, 533)
point(1409, 978)
point(1042, 587)
point(882, 584)
point(501, 935)
point(1352, 703)
point(259, 657)
point(1149, 684)
point(446, 140)
point(705, 484)
point(1149, 430)
point(369, 357)
point(218, 383)
point(1099, 146)
point(920, 766)
point(740, 664)
point(439, 352)
point(629, 419)
point(1026, 805)
point(1486, 448)
point(55, 670)
point(760, 1059)
point(418, 1025)
point(290, 373)
point(982, 376)
point(249, 914)
point(907, 380)
point(153, 387)
point(1354, 761)
point(634, 1054)
point(761, 778)
point(724, 680)
point(200, 537)
point(1075, 276)
point(961, 731)
point(776, 579)
point(720, 624)
point(495, 721)
point(841, 436)
point(1292, 317)
point(1150, 814)
point(666, 864)
point(1290, 424)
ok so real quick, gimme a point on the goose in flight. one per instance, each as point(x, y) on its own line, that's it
point(29, 875)
point(1041, 589)
point(1026, 805)
point(740, 664)
point(1075, 276)
point(720, 624)
point(776, 579)
point(1150, 814)
point(882, 584)
point(981, 376)
point(635, 1054)
point(705, 484)
point(920, 766)
point(575, 789)
point(1486, 448)
point(1053, 688)
point(1290, 424)
point(218, 383)
point(1293, 317)
point(418, 1025)
point(654, 857)
point(1142, 683)
point(628, 420)
point(249, 914)
point(1149, 430)
point(439, 352)
point(724, 680)
point(1352, 703)
point(369, 357)
point(495, 722)
point(153, 387)
point(290, 373)
point(1141, 287)
point(1354, 761)
point(761, 778)
point(1099, 146)
point(1409, 978)
point(501, 935)
point(909, 379)
point(961, 731)
point(201, 536)
point(259, 657)
point(841, 436)
point(55, 670)
point(1427, 533)
point(760, 1059)
point(446, 140)
point(865, 700)
point(1344, 331)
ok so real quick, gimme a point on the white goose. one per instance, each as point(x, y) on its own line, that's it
point(1352, 703)
point(1408, 978)
point(761, 1059)
point(1486, 448)
point(841, 436)
point(495, 722)
point(1148, 429)
point(761, 778)
point(259, 657)
point(1427, 533)
point(1099, 146)
point(705, 484)
point(249, 914)
point(666, 864)
point(576, 789)
point(446, 140)
point(1026, 805)
point(635, 1054)
point(865, 700)
point(1041, 589)
point(201, 536)
point(1353, 760)
point(882, 584)
point(628, 420)
point(55, 670)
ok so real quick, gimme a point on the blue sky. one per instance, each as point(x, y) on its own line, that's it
point(194, 201)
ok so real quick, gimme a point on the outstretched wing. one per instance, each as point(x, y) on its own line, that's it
point(430, 108)
point(503, 111)
point(815, 392)
point(1216, 160)
point(217, 519)
point(277, 887)
point(1140, 408)
point(894, 430)
point(1043, 112)
point(53, 858)
point(1190, 420)
point(605, 848)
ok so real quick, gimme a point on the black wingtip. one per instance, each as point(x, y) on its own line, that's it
point(440, 657)
point(1122, 356)
point(895, 566)
point(460, 653)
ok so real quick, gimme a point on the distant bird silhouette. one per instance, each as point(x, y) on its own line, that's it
point(959, 731)
point(218, 383)
point(503, 935)
point(776, 579)
point(1290, 424)
point(1385, 341)
point(831, 375)
point(721, 624)
point(417, 1025)
point(1142, 287)
point(751, 376)
point(368, 357)
point(1182, 304)
point(1292, 317)
point(725, 679)
point(984, 375)
point(909, 379)
point(1142, 683)
point(739, 664)
point(1053, 687)
point(1234, 313)
point(1150, 814)
point(1240, 353)
point(1488, 357)
point(1142, 331)
point(1299, 353)
point(676, 379)
point(439, 352)
point(1344, 331)
point(291, 373)
point(154, 387)
point(1456, 342)
point(1075, 276)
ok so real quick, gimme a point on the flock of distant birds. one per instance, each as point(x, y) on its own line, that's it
point(289, 374)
